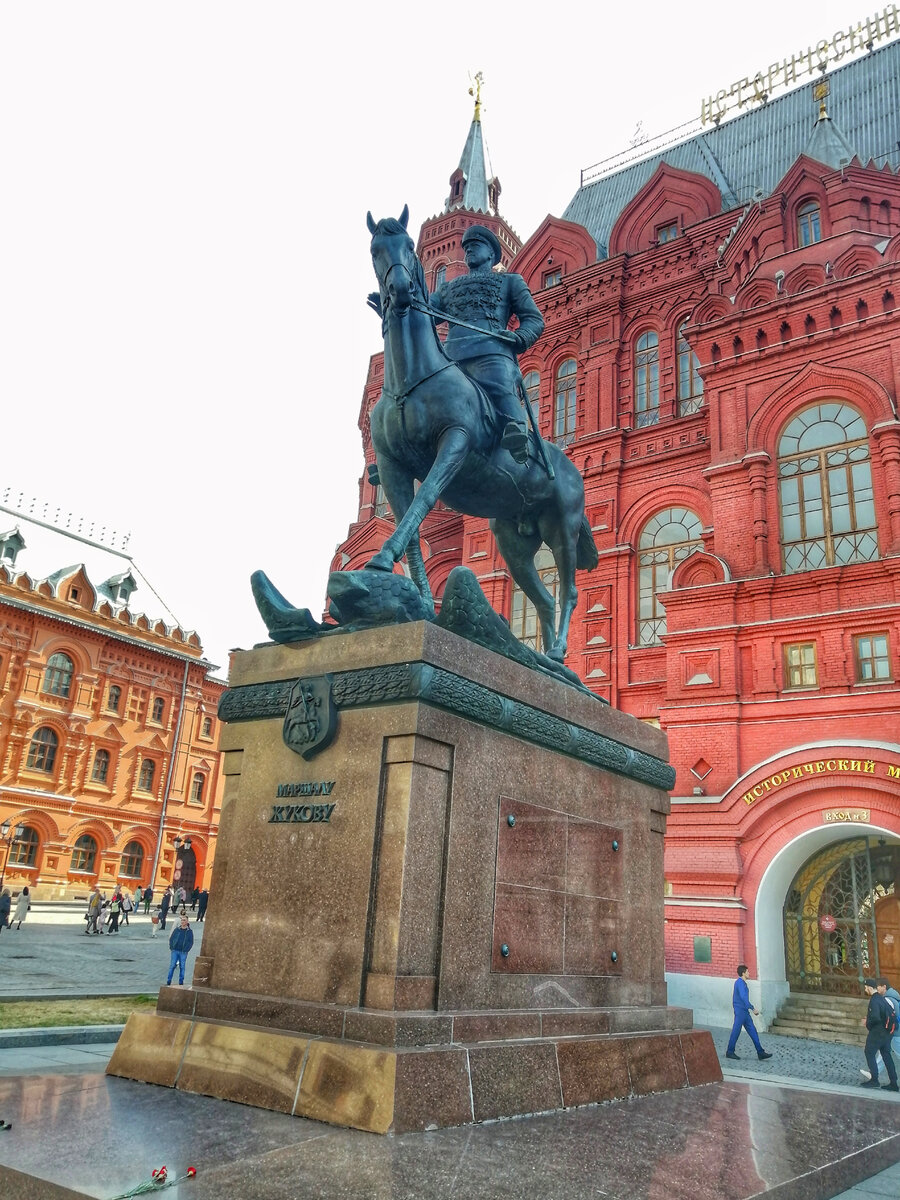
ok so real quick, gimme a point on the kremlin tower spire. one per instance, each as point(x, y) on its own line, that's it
point(473, 200)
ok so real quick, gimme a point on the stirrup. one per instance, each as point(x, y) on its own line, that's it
point(515, 441)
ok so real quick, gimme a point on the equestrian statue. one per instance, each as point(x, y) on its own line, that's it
point(451, 416)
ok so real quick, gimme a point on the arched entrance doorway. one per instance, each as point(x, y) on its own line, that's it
point(842, 916)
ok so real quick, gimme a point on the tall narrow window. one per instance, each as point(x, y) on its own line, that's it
point(206, 727)
point(809, 224)
point(84, 855)
point(440, 275)
point(690, 385)
point(564, 403)
point(145, 779)
point(100, 772)
point(132, 862)
point(58, 675)
point(159, 707)
point(800, 669)
point(532, 384)
point(665, 541)
point(42, 750)
point(524, 619)
point(197, 788)
point(23, 851)
point(646, 379)
point(114, 698)
point(382, 508)
point(825, 489)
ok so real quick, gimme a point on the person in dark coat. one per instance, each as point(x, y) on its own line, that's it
point(180, 943)
point(740, 1002)
point(148, 898)
point(202, 901)
point(5, 906)
point(164, 907)
point(880, 1021)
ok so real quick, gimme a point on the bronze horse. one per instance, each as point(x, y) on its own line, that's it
point(434, 424)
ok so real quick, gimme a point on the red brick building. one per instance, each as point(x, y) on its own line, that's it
point(721, 359)
point(110, 772)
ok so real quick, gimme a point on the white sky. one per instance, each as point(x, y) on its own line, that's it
point(183, 247)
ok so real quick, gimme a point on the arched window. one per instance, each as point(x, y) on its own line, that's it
point(100, 770)
point(825, 489)
point(690, 385)
point(564, 403)
point(42, 750)
point(159, 707)
point(197, 784)
point(382, 508)
point(524, 619)
point(206, 728)
point(58, 675)
point(665, 541)
point(440, 276)
point(145, 779)
point(809, 224)
point(646, 379)
point(23, 851)
point(114, 698)
point(132, 863)
point(84, 855)
point(532, 385)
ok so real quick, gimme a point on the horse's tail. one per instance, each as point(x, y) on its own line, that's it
point(586, 556)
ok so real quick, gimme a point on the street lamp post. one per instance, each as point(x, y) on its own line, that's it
point(9, 838)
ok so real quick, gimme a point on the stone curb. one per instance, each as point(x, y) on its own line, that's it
point(59, 1035)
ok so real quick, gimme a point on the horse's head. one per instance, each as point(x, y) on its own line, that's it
point(398, 270)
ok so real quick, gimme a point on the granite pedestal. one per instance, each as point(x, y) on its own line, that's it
point(443, 905)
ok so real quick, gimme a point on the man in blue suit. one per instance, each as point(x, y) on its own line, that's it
point(740, 1002)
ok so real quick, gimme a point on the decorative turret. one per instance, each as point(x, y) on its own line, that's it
point(473, 200)
point(827, 144)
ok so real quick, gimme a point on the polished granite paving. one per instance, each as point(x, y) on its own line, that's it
point(98, 1136)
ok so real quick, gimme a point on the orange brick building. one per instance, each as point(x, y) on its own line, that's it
point(721, 359)
point(108, 729)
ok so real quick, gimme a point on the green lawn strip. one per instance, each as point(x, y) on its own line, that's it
point(40, 1014)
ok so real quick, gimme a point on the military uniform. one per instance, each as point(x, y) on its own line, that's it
point(488, 299)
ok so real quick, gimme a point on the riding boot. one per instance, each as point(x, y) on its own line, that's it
point(515, 441)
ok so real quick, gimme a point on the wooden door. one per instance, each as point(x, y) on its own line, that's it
point(887, 925)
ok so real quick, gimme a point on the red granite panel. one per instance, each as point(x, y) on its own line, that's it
point(269, 1012)
point(591, 1071)
point(593, 867)
point(656, 1064)
point(431, 1090)
point(700, 1058)
point(533, 851)
point(531, 924)
point(573, 1024)
point(592, 937)
point(509, 1080)
point(401, 1029)
point(494, 1027)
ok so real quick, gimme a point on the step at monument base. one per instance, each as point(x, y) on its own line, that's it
point(401, 1088)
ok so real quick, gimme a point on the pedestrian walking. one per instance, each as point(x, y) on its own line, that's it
point(881, 1022)
point(5, 906)
point(23, 906)
point(148, 899)
point(94, 909)
point(740, 1002)
point(180, 943)
point(138, 897)
point(115, 907)
point(202, 901)
point(195, 896)
point(127, 906)
point(164, 907)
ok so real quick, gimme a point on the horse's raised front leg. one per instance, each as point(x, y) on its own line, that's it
point(451, 454)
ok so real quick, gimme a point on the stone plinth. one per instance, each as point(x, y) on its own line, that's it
point(450, 909)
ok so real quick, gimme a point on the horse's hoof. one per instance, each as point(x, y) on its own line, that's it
point(557, 654)
point(380, 562)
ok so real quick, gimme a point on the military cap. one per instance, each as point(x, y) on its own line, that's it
point(483, 234)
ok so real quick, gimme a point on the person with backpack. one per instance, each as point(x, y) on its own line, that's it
point(893, 998)
point(881, 1023)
